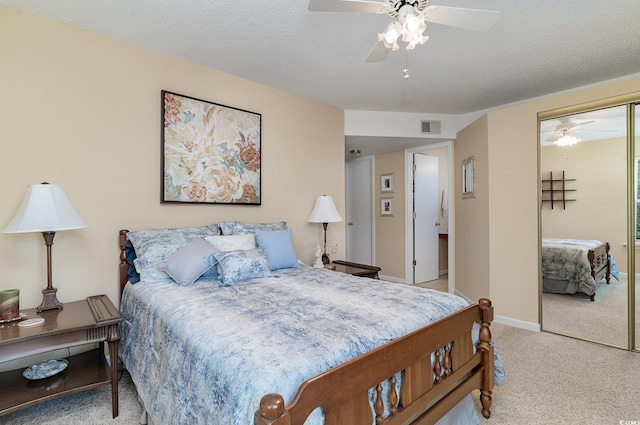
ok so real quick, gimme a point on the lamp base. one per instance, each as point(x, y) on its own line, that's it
point(325, 259)
point(49, 300)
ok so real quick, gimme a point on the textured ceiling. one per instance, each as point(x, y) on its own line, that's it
point(535, 48)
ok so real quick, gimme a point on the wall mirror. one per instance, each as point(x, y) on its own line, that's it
point(588, 203)
point(469, 177)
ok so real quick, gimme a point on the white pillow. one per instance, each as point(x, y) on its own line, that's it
point(232, 242)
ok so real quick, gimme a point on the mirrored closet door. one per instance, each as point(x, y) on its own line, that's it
point(589, 199)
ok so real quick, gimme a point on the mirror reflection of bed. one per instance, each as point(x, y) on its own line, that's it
point(583, 225)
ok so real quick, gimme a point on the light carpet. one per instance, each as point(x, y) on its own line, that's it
point(550, 379)
point(603, 320)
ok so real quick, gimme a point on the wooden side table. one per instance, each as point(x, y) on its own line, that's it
point(356, 269)
point(92, 320)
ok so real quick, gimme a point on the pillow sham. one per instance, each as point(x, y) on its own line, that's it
point(278, 247)
point(244, 227)
point(239, 266)
point(154, 245)
point(232, 242)
point(188, 263)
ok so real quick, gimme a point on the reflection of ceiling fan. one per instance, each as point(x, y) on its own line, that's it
point(563, 134)
point(411, 20)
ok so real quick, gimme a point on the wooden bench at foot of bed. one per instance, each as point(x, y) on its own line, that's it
point(428, 390)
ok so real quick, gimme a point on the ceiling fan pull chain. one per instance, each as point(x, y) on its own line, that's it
point(406, 67)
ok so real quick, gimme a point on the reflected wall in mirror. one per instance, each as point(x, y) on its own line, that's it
point(469, 177)
point(586, 153)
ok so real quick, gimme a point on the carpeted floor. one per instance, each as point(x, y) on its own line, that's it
point(603, 320)
point(550, 379)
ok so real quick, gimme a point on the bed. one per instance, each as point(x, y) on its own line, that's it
point(576, 265)
point(298, 345)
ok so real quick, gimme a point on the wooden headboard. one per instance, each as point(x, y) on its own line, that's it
point(124, 266)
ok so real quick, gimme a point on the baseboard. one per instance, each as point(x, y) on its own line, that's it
point(392, 279)
point(516, 323)
point(461, 295)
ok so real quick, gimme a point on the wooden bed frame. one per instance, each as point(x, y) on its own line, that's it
point(429, 388)
point(600, 263)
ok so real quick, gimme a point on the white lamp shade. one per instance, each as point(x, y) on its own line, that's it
point(45, 208)
point(324, 211)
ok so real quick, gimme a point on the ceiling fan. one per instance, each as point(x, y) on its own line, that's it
point(411, 20)
point(563, 134)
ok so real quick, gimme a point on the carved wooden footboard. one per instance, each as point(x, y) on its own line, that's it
point(428, 390)
point(600, 261)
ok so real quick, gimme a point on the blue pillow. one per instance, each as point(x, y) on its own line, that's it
point(130, 254)
point(238, 266)
point(278, 247)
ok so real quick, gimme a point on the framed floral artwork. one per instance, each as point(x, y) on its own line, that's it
point(211, 153)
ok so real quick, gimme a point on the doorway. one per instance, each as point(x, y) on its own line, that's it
point(442, 226)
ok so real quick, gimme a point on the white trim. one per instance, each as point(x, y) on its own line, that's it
point(517, 323)
point(392, 279)
point(408, 231)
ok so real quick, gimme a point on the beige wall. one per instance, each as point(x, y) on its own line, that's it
point(83, 111)
point(512, 209)
point(390, 231)
point(597, 213)
point(472, 227)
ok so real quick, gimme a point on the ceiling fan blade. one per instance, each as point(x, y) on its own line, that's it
point(570, 125)
point(378, 53)
point(472, 19)
point(362, 6)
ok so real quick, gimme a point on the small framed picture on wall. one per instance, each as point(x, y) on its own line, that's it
point(386, 207)
point(386, 183)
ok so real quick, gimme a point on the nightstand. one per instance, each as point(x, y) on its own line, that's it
point(356, 269)
point(82, 322)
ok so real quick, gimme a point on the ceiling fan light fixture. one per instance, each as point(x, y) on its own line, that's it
point(414, 24)
point(410, 27)
point(567, 140)
point(390, 35)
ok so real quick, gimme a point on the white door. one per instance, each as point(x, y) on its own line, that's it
point(359, 211)
point(425, 218)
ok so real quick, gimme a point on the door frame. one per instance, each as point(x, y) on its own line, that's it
point(370, 159)
point(408, 172)
point(630, 101)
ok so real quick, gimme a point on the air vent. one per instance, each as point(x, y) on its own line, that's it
point(430, 127)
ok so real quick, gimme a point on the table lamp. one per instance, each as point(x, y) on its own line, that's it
point(45, 208)
point(324, 212)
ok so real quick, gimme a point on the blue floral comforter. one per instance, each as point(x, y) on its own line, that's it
point(205, 354)
point(566, 259)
